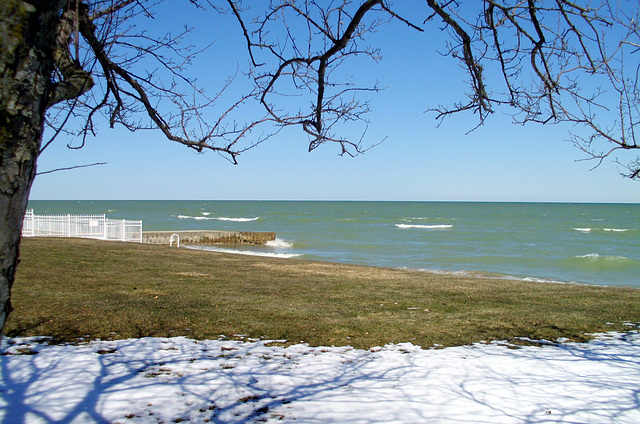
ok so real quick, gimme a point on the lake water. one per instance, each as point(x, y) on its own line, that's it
point(584, 243)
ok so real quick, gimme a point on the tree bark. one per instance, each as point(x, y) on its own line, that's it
point(27, 43)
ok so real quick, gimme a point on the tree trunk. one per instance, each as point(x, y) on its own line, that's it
point(18, 161)
point(27, 40)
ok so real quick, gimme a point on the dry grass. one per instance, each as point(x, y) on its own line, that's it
point(71, 288)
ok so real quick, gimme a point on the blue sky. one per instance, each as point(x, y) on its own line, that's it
point(499, 161)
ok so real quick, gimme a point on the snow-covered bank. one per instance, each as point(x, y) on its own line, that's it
point(154, 380)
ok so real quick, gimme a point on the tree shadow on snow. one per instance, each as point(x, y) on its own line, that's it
point(227, 382)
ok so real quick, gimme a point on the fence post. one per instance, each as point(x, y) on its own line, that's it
point(27, 225)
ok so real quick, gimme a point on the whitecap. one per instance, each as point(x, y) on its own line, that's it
point(191, 217)
point(595, 256)
point(584, 230)
point(224, 218)
point(425, 218)
point(279, 243)
point(425, 227)
point(197, 218)
point(206, 213)
point(219, 218)
point(616, 230)
point(589, 256)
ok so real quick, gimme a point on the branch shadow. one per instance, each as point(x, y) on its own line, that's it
point(229, 382)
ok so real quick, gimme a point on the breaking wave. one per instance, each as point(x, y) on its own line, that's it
point(425, 227)
point(279, 244)
point(614, 230)
point(597, 257)
point(218, 218)
point(583, 230)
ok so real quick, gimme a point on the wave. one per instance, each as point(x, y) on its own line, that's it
point(425, 227)
point(280, 244)
point(222, 218)
point(604, 265)
point(424, 218)
point(245, 252)
point(546, 280)
point(614, 230)
point(489, 276)
point(218, 218)
point(596, 257)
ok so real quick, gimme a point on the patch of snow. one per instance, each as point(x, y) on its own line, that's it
point(153, 380)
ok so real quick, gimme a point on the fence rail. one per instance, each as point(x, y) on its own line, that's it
point(84, 226)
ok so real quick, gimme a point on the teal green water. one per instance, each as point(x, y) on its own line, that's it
point(584, 243)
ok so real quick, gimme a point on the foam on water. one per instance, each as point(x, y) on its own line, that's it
point(245, 252)
point(490, 276)
point(217, 218)
point(280, 244)
point(427, 218)
point(425, 227)
point(584, 230)
point(595, 256)
point(608, 230)
point(546, 280)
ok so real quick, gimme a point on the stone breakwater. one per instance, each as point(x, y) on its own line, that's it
point(208, 237)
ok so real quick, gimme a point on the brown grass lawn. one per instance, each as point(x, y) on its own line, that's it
point(73, 288)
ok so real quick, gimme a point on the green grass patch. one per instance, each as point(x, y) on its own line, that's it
point(72, 288)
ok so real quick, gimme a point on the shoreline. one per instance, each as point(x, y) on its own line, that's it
point(480, 274)
point(518, 239)
point(497, 276)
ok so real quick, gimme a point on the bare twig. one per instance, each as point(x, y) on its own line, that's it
point(71, 167)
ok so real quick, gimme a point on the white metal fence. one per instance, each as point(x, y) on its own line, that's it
point(85, 226)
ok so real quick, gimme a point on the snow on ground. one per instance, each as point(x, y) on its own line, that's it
point(155, 380)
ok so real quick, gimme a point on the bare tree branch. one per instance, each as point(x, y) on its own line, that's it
point(558, 61)
point(71, 167)
point(331, 37)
